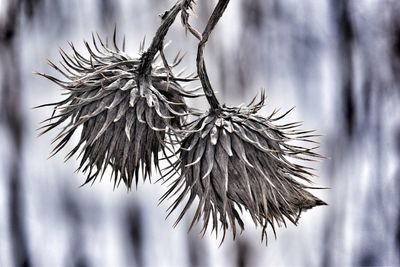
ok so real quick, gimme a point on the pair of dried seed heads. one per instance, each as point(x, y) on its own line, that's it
point(129, 110)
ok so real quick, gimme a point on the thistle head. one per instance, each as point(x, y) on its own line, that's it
point(123, 114)
point(232, 159)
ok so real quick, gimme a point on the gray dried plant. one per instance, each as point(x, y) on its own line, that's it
point(130, 109)
point(233, 159)
point(124, 114)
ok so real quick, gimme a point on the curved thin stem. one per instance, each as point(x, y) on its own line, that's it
point(157, 43)
point(201, 67)
point(188, 5)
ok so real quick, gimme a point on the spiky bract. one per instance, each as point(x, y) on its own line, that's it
point(123, 113)
point(233, 159)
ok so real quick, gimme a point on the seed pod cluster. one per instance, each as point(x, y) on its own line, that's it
point(232, 159)
point(123, 115)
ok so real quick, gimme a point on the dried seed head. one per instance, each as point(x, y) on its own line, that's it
point(123, 114)
point(233, 159)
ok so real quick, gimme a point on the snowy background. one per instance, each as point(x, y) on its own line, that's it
point(337, 61)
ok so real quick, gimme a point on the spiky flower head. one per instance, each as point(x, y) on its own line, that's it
point(232, 159)
point(123, 113)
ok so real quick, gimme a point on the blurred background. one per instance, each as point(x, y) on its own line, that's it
point(336, 61)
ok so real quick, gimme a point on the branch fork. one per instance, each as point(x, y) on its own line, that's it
point(168, 18)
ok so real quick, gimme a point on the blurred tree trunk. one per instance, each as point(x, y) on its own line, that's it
point(12, 120)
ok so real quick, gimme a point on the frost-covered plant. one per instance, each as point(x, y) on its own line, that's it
point(129, 109)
